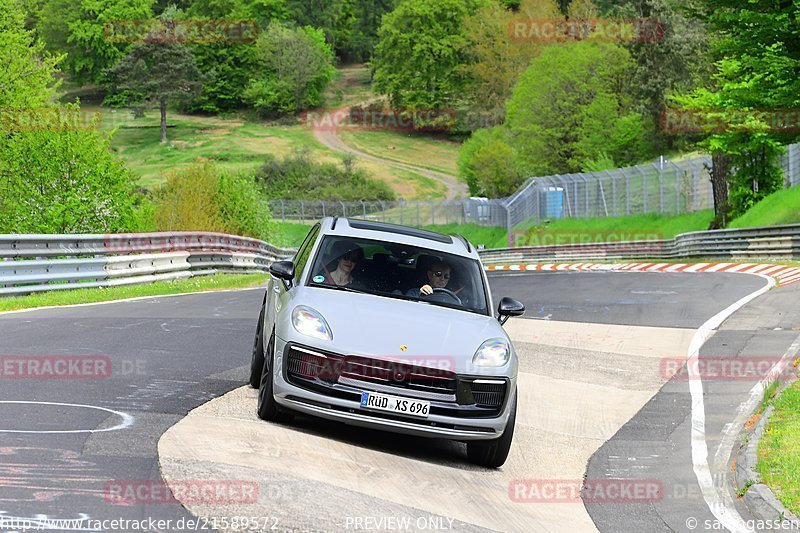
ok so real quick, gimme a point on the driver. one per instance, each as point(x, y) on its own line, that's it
point(438, 278)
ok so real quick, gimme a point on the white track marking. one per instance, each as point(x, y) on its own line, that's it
point(718, 500)
point(126, 419)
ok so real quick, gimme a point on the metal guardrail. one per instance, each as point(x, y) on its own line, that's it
point(769, 243)
point(36, 263)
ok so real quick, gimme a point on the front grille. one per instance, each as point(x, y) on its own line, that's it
point(389, 376)
point(346, 376)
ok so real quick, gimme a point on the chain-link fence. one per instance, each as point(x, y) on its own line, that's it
point(663, 187)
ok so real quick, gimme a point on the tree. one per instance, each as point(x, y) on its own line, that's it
point(487, 163)
point(757, 52)
point(85, 30)
point(296, 65)
point(158, 73)
point(421, 52)
point(573, 103)
point(336, 18)
point(364, 34)
point(673, 59)
point(26, 71)
point(228, 66)
point(496, 59)
point(63, 180)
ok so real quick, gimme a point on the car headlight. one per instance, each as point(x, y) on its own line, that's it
point(494, 352)
point(310, 322)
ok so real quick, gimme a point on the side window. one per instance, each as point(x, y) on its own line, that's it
point(301, 257)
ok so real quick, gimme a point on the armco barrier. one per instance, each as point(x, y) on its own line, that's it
point(776, 243)
point(36, 263)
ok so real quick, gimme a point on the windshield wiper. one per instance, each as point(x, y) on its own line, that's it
point(341, 288)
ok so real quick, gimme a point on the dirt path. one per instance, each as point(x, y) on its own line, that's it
point(328, 134)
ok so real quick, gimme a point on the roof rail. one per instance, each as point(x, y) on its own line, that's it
point(465, 241)
point(333, 226)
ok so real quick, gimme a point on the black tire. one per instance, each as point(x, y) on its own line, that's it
point(257, 361)
point(493, 453)
point(268, 408)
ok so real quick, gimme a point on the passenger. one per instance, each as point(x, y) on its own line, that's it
point(438, 278)
point(348, 256)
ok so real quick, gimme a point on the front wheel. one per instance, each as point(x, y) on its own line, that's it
point(493, 453)
point(257, 362)
point(268, 408)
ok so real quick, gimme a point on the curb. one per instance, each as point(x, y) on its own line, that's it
point(759, 499)
point(783, 274)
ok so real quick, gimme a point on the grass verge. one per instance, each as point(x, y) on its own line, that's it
point(779, 449)
point(416, 149)
point(778, 208)
point(84, 296)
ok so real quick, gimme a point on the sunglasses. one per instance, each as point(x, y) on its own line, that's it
point(440, 274)
point(351, 256)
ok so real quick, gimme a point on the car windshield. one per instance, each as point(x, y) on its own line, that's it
point(400, 271)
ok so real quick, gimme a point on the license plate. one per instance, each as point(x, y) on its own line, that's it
point(394, 404)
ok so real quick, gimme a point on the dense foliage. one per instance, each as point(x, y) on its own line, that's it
point(297, 177)
point(203, 198)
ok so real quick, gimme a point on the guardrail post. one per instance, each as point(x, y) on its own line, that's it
point(283, 212)
point(302, 212)
point(344, 210)
point(364, 209)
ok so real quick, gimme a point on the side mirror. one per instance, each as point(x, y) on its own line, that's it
point(509, 307)
point(283, 270)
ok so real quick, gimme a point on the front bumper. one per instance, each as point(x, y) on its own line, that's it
point(342, 405)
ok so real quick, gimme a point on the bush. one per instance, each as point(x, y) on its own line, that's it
point(295, 67)
point(296, 177)
point(486, 163)
point(63, 181)
point(205, 199)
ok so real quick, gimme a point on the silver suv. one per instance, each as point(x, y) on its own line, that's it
point(392, 328)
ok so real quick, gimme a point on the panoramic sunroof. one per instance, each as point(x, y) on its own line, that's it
point(401, 230)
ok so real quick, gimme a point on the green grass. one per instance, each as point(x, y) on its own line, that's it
point(351, 87)
point(234, 143)
point(478, 235)
point(289, 234)
point(421, 150)
point(565, 231)
point(82, 296)
point(782, 207)
point(779, 449)
point(637, 227)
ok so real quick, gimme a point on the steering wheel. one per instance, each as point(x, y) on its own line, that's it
point(449, 293)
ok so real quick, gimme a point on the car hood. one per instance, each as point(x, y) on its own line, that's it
point(412, 332)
